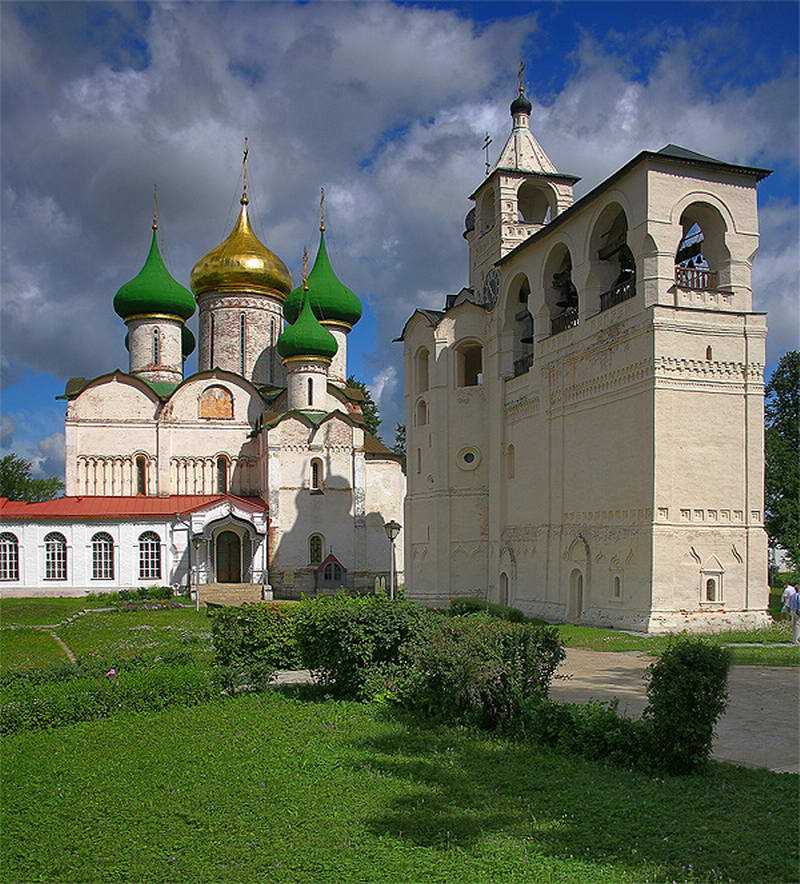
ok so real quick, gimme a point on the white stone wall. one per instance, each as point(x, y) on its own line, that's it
point(298, 375)
point(263, 324)
point(169, 364)
point(78, 535)
point(637, 435)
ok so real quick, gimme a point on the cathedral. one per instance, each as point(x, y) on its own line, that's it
point(256, 473)
point(585, 418)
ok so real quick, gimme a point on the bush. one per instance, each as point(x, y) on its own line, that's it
point(341, 638)
point(781, 579)
point(687, 693)
point(478, 670)
point(251, 642)
point(37, 707)
point(593, 730)
point(145, 593)
point(474, 605)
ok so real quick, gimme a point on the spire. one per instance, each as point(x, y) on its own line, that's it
point(521, 107)
point(305, 268)
point(155, 208)
point(244, 200)
point(322, 210)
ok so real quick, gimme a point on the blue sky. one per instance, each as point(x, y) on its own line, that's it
point(386, 106)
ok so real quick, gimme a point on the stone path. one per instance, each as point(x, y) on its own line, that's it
point(761, 727)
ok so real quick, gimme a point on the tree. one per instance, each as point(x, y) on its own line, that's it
point(372, 416)
point(782, 442)
point(399, 446)
point(16, 482)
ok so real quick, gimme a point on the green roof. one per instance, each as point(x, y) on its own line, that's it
point(153, 290)
point(330, 298)
point(306, 337)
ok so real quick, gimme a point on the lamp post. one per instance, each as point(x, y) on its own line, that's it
point(392, 530)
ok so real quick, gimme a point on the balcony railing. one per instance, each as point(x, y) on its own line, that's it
point(697, 280)
point(523, 364)
point(568, 319)
point(617, 294)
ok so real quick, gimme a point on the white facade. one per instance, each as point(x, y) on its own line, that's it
point(585, 429)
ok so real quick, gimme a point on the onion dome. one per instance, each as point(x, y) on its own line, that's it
point(331, 300)
point(153, 290)
point(521, 105)
point(187, 342)
point(306, 336)
point(242, 264)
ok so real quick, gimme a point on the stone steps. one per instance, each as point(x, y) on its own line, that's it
point(230, 593)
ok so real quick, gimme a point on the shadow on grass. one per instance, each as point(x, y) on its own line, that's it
point(471, 789)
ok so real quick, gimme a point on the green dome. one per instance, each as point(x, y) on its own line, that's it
point(153, 290)
point(305, 336)
point(330, 298)
point(187, 341)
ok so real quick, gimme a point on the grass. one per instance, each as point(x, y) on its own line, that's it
point(270, 787)
point(43, 611)
point(123, 633)
point(28, 648)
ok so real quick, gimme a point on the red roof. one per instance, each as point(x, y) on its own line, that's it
point(115, 507)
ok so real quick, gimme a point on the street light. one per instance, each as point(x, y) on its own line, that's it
point(392, 530)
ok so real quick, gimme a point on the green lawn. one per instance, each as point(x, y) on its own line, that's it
point(43, 611)
point(271, 787)
point(119, 634)
point(28, 648)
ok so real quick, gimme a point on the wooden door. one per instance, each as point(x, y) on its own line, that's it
point(229, 558)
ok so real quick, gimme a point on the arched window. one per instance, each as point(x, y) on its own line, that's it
point(102, 556)
point(316, 549)
point(156, 347)
point(149, 556)
point(612, 278)
point(422, 370)
point(55, 556)
point(310, 391)
point(422, 413)
point(316, 474)
point(469, 365)
point(242, 343)
point(9, 556)
point(534, 204)
point(711, 589)
point(141, 474)
point(510, 462)
point(617, 587)
point(504, 588)
point(333, 571)
point(211, 342)
point(702, 251)
point(272, 351)
point(561, 294)
point(419, 461)
point(222, 475)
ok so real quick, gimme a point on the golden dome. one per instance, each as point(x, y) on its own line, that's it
point(242, 263)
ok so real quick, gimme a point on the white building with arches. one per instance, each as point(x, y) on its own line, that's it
point(256, 472)
point(585, 419)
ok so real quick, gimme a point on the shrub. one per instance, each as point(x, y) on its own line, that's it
point(474, 605)
point(145, 593)
point(479, 670)
point(251, 642)
point(593, 730)
point(687, 693)
point(36, 707)
point(781, 579)
point(341, 638)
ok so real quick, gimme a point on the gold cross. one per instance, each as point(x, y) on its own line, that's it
point(486, 142)
point(155, 207)
point(322, 209)
point(245, 152)
point(305, 267)
point(521, 77)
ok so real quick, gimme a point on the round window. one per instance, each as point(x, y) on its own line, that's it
point(468, 458)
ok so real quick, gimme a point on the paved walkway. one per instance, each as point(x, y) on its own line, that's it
point(759, 729)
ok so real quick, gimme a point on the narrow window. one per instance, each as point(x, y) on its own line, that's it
point(315, 547)
point(422, 371)
point(149, 556)
point(102, 556)
point(708, 353)
point(141, 475)
point(422, 413)
point(617, 587)
point(9, 557)
point(510, 462)
point(55, 557)
point(156, 347)
point(211, 343)
point(272, 351)
point(419, 461)
point(337, 572)
point(329, 571)
point(310, 391)
point(316, 474)
point(242, 343)
point(711, 589)
point(470, 365)
point(222, 475)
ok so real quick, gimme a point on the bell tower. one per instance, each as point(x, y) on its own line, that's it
point(521, 193)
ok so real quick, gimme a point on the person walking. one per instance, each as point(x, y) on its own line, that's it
point(794, 611)
point(788, 592)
